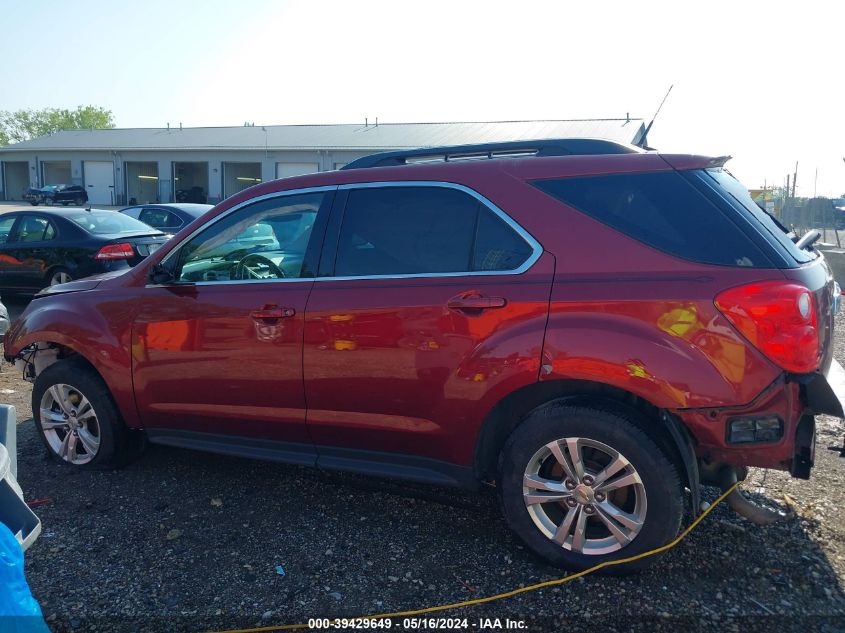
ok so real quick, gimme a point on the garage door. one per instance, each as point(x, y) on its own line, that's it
point(99, 181)
point(286, 170)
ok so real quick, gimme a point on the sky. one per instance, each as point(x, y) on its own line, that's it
point(760, 81)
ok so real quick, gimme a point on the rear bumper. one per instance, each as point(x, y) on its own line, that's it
point(795, 400)
point(826, 391)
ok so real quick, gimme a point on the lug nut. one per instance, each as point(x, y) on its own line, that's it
point(588, 480)
point(599, 496)
point(571, 502)
point(570, 485)
point(589, 509)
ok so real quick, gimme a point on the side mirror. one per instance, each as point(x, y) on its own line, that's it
point(160, 275)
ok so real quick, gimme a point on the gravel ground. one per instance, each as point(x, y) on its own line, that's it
point(182, 540)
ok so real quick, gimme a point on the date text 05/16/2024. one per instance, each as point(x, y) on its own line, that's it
point(480, 624)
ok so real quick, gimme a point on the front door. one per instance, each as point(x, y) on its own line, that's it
point(219, 350)
point(433, 309)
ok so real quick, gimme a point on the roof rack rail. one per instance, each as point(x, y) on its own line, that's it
point(537, 148)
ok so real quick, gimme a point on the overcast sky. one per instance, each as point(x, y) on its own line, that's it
point(762, 81)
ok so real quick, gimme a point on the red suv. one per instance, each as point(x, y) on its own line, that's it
point(595, 328)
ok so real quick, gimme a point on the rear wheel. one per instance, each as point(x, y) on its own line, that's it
point(79, 201)
point(583, 485)
point(77, 418)
point(59, 276)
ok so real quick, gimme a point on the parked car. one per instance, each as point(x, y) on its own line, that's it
point(46, 247)
point(5, 323)
point(192, 194)
point(592, 327)
point(168, 218)
point(57, 194)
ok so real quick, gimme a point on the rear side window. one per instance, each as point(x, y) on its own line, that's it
point(737, 194)
point(662, 210)
point(424, 230)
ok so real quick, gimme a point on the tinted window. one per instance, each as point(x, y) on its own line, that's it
point(738, 194)
point(497, 246)
point(35, 229)
point(109, 222)
point(423, 230)
point(6, 224)
point(662, 210)
point(265, 240)
point(160, 218)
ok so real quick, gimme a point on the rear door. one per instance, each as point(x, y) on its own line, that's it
point(430, 305)
point(32, 253)
point(8, 264)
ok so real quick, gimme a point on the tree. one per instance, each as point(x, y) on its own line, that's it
point(23, 125)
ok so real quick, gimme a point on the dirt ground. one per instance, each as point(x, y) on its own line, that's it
point(181, 540)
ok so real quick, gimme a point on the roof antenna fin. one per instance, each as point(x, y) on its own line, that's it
point(644, 140)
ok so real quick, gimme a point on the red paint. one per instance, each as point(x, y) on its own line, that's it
point(415, 365)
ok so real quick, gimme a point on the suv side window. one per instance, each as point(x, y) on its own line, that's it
point(662, 210)
point(423, 230)
point(264, 240)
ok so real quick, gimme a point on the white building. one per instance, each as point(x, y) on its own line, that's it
point(141, 165)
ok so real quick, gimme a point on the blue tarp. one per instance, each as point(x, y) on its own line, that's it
point(19, 612)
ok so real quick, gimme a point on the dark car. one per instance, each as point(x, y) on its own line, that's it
point(44, 248)
point(595, 329)
point(57, 194)
point(168, 218)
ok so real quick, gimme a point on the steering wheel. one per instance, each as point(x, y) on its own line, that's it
point(250, 268)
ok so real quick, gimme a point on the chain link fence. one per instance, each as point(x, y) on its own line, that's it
point(804, 214)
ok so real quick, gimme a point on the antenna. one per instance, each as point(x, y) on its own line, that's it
point(644, 140)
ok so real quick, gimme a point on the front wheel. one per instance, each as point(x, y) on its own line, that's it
point(583, 485)
point(77, 418)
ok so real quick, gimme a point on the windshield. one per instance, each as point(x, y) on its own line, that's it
point(737, 191)
point(110, 222)
point(51, 187)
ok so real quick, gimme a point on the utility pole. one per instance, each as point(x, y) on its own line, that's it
point(795, 179)
point(816, 182)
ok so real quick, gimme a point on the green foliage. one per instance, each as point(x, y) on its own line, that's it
point(23, 125)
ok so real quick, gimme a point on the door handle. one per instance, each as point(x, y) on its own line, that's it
point(272, 313)
point(475, 302)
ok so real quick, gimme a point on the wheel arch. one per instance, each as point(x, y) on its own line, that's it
point(514, 408)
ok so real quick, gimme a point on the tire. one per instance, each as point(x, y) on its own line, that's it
point(654, 499)
point(78, 202)
point(58, 276)
point(48, 202)
point(100, 439)
point(34, 203)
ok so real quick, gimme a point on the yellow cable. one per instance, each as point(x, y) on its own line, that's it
point(513, 592)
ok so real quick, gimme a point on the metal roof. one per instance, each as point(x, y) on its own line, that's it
point(354, 137)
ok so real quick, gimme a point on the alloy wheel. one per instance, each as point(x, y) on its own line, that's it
point(60, 277)
point(584, 495)
point(70, 424)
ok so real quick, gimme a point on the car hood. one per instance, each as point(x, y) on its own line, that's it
point(88, 283)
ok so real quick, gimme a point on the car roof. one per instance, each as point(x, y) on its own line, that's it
point(193, 209)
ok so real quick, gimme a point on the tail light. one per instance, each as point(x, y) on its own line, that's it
point(116, 251)
point(779, 319)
